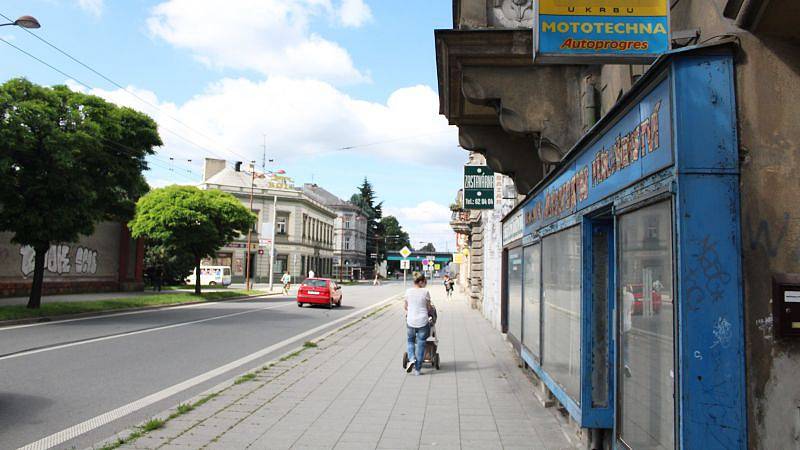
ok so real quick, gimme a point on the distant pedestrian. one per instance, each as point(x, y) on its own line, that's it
point(286, 279)
point(418, 306)
point(310, 274)
point(158, 279)
point(377, 280)
point(448, 286)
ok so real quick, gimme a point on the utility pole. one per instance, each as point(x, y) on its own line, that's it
point(250, 230)
point(274, 221)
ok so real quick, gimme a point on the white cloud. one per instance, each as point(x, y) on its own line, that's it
point(301, 118)
point(94, 7)
point(159, 183)
point(427, 221)
point(354, 13)
point(272, 37)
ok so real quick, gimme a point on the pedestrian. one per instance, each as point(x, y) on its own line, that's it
point(418, 306)
point(310, 274)
point(286, 279)
point(158, 278)
point(448, 286)
point(376, 281)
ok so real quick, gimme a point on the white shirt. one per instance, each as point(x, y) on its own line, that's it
point(417, 299)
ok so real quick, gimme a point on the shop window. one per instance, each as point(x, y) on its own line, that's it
point(515, 293)
point(646, 367)
point(561, 295)
point(531, 315)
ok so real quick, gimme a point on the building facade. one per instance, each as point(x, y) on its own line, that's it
point(108, 260)
point(303, 226)
point(349, 234)
point(690, 335)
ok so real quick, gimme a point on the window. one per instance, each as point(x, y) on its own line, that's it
point(347, 243)
point(515, 293)
point(646, 357)
point(561, 296)
point(255, 224)
point(347, 222)
point(280, 226)
point(531, 315)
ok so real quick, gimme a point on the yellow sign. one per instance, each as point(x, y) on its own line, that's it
point(616, 8)
point(458, 258)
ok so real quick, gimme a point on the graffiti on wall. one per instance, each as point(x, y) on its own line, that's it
point(59, 260)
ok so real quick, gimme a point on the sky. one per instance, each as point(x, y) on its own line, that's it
point(338, 90)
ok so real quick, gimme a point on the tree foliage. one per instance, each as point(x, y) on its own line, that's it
point(67, 160)
point(396, 237)
point(190, 221)
point(366, 199)
point(428, 248)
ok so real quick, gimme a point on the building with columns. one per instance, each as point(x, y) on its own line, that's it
point(349, 233)
point(303, 225)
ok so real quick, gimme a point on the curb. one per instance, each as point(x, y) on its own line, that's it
point(43, 319)
point(227, 384)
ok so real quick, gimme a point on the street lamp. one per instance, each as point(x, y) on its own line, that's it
point(24, 22)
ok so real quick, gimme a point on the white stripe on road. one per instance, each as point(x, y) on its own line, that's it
point(103, 419)
point(127, 313)
point(134, 333)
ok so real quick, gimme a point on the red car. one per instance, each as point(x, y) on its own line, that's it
point(319, 291)
point(638, 307)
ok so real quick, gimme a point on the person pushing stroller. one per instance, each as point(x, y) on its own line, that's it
point(448, 286)
point(420, 320)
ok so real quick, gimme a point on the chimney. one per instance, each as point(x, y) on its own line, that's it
point(238, 166)
point(212, 167)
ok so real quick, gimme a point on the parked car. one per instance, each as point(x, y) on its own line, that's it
point(638, 305)
point(319, 291)
point(211, 276)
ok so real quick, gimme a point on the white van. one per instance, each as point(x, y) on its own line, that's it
point(212, 276)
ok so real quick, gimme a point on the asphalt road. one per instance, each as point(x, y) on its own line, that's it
point(56, 375)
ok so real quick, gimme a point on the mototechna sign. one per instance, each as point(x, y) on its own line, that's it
point(600, 31)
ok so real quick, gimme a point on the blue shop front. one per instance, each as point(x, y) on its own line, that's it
point(623, 293)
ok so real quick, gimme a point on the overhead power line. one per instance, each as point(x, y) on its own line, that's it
point(116, 84)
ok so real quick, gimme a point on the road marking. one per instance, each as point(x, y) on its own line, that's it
point(133, 333)
point(127, 313)
point(103, 419)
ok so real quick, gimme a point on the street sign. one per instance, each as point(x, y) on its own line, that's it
point(458, 258)
point(264, 242)
point(405, 264)
point(261, 251)
point(478, 187)
point(437, 266)
point(600, 31)
point(405, 252)
point(425, 262)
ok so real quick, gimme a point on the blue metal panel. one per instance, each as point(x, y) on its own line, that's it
point(711, 378)
point(635, 146)
point(596, 416)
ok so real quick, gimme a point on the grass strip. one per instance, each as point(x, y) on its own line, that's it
point(15, 312)
point(244, 378)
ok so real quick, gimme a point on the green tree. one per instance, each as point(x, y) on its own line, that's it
point(396, 237)
point(190, 221)
point(365, 199)
point(174, 266)
point(428, 248)
point(67, 161)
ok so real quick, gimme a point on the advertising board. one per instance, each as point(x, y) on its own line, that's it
point(600, 31)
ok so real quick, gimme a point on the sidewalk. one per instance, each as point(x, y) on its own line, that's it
point(350, 392)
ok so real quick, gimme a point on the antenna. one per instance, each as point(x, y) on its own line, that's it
point(264, 159)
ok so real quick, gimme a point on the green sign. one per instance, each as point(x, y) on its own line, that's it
point(478, 187)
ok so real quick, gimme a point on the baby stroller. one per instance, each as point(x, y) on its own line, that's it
point(431, 344)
